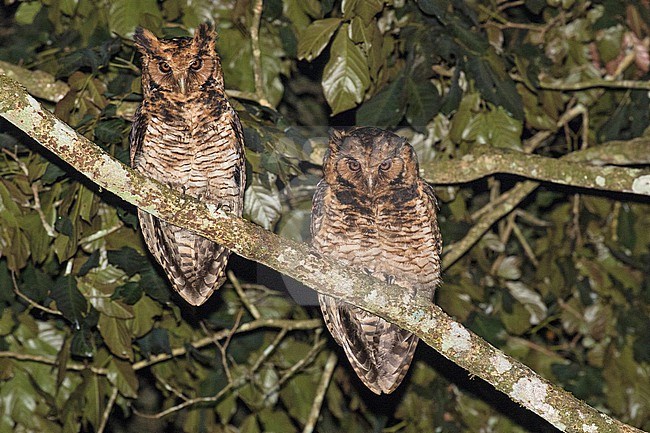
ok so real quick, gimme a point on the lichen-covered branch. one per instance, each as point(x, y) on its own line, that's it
point(38, 83)
point(298, 261)
point(484, 161)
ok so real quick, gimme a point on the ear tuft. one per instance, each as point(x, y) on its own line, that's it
point(336, 139)
point(144, 40)
point(205, 34)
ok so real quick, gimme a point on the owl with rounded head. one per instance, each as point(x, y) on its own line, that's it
point(374, 212)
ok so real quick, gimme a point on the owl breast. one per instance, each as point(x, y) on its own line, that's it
point(386, 236)
point(190, 147)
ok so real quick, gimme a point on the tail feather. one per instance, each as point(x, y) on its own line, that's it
point(194, 265)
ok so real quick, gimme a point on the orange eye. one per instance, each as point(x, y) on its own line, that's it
point(386, 165)
point(196, 64)
point(164, 67)
point(354, 165)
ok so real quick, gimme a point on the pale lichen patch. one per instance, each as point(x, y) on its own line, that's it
point(590, 428)
point(427, 324)
point(600, 181)
point(501, 363)
point(641, 185)
point(458, 339)
point(375, 298)
point(532, 393)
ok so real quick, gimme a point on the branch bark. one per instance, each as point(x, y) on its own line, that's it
point(298, 261)
point(569, 170)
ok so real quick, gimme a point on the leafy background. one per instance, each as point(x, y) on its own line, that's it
point(91, 337)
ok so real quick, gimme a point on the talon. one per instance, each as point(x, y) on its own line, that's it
point(390, 279)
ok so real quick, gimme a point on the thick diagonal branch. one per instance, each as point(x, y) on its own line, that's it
point(298, 261)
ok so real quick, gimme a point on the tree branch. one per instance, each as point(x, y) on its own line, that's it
point(487, 160)
point(258, 6)
point(298, 261)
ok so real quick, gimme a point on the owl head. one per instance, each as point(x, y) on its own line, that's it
point(370, 161)
point(179, 65)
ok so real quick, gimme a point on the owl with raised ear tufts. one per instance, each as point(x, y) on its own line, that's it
point(374, 212)
point(187, 135)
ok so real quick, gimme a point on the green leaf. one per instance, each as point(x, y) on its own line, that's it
point(276, 421)
point(94, 399)
point(423, 103)
point(226, 408)
point(116, 335)
point(530, 299)
point(386, 108)
point(144, 313)
point(366, 9)
point(129, 293)
point(262, 203)
point(494, 83)
point(155, 342)
point(297, 395)
point(315, 38)
point(345, 77)
point(125, 15)
point(129, 260)
point(249, 425)
point(7, 322)
point(122, 376)
point(69, 300)
point(82, 344)
point(438, 8)
point(496, 128)
point(27, 11)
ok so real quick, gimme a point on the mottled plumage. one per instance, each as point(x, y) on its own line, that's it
point(187, 135)
point(374, 212)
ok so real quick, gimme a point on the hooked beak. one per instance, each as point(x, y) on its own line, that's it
point(370, 184)
point(181, 84)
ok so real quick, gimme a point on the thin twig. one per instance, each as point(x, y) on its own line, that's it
point(257, 53)
point(30, 301)
point(524, 243)
point(289, 325)
point(101, 233)
point(185, 404)
point(241, 380)
point(515, 196)
point(242, 295)
point(37, 206)
point(223, 347)
point(107, 411)
point(289, 373)
point(269, 349)
point(51, 361)
point(170, 388)
point(312, 419)
point(596, 83)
